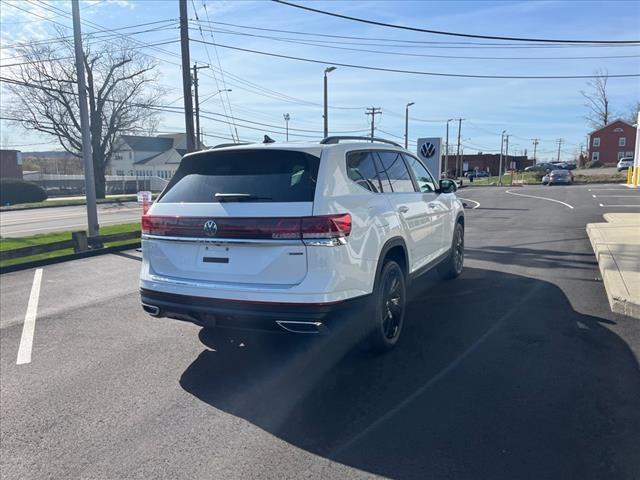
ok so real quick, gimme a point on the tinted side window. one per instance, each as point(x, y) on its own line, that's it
point(393, 167)
point(425, 181)
point(362, 170)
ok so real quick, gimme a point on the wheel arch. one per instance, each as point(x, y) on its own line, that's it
point(396, 249)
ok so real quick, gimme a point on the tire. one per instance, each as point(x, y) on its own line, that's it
point(453, 265)
point(388, 308)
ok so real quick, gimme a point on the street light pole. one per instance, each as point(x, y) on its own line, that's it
point(458, 160)
point(214, 94)
point(87, 156)
point(326, 101)
point(501, 150)
point(286, 123)
point(406, 125)
point(446, 150)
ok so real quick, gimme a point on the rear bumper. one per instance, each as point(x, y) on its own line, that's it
point(269, 316)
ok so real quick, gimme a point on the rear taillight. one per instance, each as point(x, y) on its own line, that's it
point(316, 227)
point(326, 226)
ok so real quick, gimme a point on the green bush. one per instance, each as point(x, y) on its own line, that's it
point(14, 191)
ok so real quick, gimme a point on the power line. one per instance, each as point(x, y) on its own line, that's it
point(453, 34)
point(419, 43)
point(418, 72)
point(224, 84)
point(93, 34)
point(31, 62)
point(257, 89)
point(224, 108)
point(316, 43)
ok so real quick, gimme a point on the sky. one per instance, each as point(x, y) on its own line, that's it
point(264, 88)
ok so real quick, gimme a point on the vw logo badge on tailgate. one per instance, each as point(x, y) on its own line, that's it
point(210, 228)
point(427, 150)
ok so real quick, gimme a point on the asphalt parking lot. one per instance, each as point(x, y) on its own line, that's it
point(518, 369)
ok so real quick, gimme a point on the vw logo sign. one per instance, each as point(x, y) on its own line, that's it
point(427, 150)
point(210, 228)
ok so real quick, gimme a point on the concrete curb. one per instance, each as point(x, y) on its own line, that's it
point(621, 299)
point(66, 258)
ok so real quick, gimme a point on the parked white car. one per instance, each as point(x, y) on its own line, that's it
point(625, 163)
point(284, 236)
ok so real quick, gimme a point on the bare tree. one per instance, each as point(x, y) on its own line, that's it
point(122, 91)
point(631, 114)
point(597, 100)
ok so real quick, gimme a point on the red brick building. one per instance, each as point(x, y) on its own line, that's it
point(10, 164)
point(612, 142)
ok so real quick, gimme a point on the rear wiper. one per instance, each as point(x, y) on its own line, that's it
point(238, 197)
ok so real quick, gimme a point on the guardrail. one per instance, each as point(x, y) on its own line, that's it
point(79, 242)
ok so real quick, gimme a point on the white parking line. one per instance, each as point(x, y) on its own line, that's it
point(539, 198)
point(617, 196)
point(601, 189)
point(26, 341)
point(469, 200)
point(623, 206)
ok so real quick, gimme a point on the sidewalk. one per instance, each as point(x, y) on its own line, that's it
point(616, 244)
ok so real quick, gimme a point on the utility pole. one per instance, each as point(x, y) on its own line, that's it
point(560, 141)
point(406, 126)
point(535, 141)
point(446, 150)
point(286, 124)
point(186, 76)
point(501, 157)
point(458, 165)
point(87, 155)
point(326, 102)
point(197, 101)
point(373, 111)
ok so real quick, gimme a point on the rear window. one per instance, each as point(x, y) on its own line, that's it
point(244, 175)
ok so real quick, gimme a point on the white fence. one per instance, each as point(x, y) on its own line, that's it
point(74, 184)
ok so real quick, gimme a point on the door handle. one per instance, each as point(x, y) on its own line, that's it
point(403, 209)
point(432, 205)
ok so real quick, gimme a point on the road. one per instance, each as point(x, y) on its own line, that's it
point(22, 223)
point(517, 369)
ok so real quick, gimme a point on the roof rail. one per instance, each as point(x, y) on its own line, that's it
point(223, 145)
point(336, 139)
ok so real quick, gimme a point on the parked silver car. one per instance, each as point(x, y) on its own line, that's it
point(625, 163)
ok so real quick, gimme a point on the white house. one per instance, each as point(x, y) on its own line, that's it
point(145, 156)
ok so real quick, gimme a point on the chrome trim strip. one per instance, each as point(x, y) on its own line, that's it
point(219, 285)
point(224, 241)
point(319, 326)
point(328, 242)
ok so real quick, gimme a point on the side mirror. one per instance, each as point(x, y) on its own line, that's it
point(448, 186)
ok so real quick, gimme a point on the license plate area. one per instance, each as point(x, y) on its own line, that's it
point(215, 254)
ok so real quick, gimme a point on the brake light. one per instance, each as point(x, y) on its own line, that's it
point(280, 228)
point(326, 226)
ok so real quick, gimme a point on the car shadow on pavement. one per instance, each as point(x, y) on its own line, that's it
point(495, 376)
point(533, 257)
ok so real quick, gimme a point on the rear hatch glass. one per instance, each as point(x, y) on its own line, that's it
point(245, 175)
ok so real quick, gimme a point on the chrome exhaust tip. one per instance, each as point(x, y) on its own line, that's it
point(151, 310)
point(302, 327)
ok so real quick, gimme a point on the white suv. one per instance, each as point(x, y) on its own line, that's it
point(285, 236)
